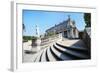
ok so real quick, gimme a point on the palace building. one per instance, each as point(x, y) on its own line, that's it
point(67, 28)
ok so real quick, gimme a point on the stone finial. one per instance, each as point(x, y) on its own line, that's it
point(37, 31)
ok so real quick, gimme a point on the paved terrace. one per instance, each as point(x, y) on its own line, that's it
point(30, 57)
point(76, 43)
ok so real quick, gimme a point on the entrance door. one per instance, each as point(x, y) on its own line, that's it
point(65, 34)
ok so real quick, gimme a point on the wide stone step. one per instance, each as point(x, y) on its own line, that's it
point(72, 47)
point(77, 49)
point(60, 55)
point(43, 57)
point(73, 54)
point(47, 58)
point(50, 55)
point(56, 57)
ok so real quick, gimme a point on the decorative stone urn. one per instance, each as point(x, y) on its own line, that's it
point(36, 44)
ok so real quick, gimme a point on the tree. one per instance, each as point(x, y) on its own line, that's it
point(87, 19)
point(23, 27)
point(50, 34)
point(26, 38)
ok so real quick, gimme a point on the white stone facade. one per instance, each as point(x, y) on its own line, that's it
point(67, 28)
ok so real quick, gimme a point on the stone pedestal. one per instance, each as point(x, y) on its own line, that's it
point(36, 45)
point(60, 37)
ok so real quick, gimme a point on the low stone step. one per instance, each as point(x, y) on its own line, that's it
point(56, 57)
point(73, 47)
point(76, 54)
point(50, 55)
point(43, 57)
point(47, 58)
point(77, 49)
point(61, 55)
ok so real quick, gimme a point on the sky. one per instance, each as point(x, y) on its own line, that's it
point(46, 19)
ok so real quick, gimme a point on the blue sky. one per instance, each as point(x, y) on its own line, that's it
point(47, 19)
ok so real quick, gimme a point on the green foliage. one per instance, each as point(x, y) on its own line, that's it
point(87, 19)
point(26, 38)
point(50, 34)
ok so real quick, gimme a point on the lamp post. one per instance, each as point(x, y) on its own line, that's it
point(37, 41)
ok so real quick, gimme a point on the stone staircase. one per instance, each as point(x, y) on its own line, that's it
point(61, 52)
